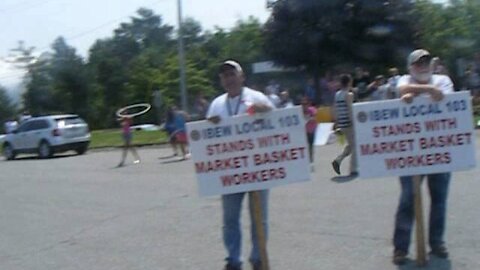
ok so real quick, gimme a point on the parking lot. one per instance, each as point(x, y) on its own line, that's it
point(80, 212)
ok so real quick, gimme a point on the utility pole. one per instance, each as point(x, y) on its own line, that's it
point(181, 58)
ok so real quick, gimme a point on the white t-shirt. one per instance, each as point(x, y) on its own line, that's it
point(274, 99)
point(442, 82)
point(380, 93)
point(237, 105)
point(10, 126)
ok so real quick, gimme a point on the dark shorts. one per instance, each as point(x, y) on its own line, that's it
point(127, 137)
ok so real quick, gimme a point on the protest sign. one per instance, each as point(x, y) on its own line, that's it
point(323, 134)
point(249, 152)
point(394, 138)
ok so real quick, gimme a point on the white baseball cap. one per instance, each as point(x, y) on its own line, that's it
point(416, 55)
point(230, 64)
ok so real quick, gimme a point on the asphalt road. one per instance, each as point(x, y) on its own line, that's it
point(80, 212)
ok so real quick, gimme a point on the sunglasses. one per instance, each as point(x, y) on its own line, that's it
point(423, 61)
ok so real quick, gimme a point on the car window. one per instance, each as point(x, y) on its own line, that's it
point(61, 122)
point(39, 124)
point(25, 126)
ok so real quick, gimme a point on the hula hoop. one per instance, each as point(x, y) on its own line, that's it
point(120, 111)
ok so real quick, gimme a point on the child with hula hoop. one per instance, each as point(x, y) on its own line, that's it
point(127, 135)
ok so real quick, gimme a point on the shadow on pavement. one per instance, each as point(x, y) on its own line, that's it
point(433, 263)
point(35, 157)
point(179, 159)
point(167, 157)
point(343, 179)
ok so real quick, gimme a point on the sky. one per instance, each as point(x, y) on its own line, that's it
point(39, 22)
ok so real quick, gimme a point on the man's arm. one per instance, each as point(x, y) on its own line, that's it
point(214, 119)
point(261, 107)
point(262, 104)
point(212, 114)
point(409, 91)
point(417, 89)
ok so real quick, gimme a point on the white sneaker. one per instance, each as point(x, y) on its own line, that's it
point(136, 161)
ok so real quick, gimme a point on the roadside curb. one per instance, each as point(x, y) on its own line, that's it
point(111, 148)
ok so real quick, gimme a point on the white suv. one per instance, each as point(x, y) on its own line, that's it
point(47, 135)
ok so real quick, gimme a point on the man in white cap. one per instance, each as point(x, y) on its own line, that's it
point(422, 81)
point(237, 100)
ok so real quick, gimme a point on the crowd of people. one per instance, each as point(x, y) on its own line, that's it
point(470, 75)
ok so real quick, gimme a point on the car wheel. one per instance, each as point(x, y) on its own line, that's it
point(81, 150)
point(8, 151)
point(44, 150)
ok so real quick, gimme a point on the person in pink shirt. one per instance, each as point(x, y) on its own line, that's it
point(309, 112)
point(126, 123)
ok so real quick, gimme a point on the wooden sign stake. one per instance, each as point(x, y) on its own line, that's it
point(420, 232)
point(257, 219)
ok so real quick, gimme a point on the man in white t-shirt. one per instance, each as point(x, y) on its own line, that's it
point(422, 81)
point(392, 83)
point(237, 100)
point(274, 98)
point(10, 126)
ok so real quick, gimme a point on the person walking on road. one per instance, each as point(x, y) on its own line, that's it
point(127, 135)
point(237, 100)
point(175, 125)
point(422, 81)
point(180, 119)
point(310, 113)
point(170, 128)
point(343, 120)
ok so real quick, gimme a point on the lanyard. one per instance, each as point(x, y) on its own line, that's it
point(237, 107)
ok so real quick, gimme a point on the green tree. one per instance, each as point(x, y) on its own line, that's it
point(192, 32)
point(146, 30)
point(109, 65)
point(168, 81)
point(7, 110)
point(38, 97)
point(70, 81)
point(317, 34)
point(448, 31)
point(122, 65)
point(57, 82)
point(243, 43)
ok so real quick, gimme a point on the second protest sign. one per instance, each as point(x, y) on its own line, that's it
point(394, 138)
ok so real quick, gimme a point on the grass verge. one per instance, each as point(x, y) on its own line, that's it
point(113, 138)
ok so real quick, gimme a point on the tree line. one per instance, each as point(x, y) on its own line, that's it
point(311, 36)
